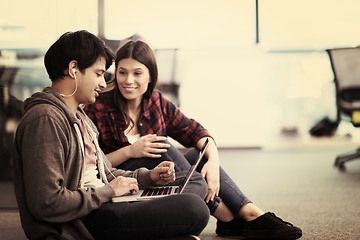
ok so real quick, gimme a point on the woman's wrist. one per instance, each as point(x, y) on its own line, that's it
point(214, 160)
point(127, 151)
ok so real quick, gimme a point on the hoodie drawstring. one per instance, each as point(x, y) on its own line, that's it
point(79, 136)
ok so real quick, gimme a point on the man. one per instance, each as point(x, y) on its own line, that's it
point(64, 183)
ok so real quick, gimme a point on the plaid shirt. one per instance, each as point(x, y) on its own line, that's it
point(158, 116)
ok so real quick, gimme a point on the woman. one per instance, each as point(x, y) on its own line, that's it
point(134, 121)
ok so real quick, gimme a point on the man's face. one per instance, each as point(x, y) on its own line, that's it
point(91, 82)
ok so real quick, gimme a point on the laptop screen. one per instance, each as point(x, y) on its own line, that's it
point(193, 167)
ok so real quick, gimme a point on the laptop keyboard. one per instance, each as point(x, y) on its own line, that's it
point(157, 191)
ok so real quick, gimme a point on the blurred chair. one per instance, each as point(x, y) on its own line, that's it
point(345, 63)
point(11, 110)
point(166, 59)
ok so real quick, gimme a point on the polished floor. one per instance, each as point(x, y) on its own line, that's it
point(296, 180)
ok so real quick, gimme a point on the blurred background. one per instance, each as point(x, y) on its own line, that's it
point(253, 72)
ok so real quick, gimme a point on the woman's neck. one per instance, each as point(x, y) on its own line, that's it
point(133, 107)
point(134, 113)
point(134, 110)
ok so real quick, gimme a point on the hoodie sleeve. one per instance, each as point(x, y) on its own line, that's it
point(142, 175)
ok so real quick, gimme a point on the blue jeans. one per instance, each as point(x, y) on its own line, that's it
point(229, 193)
point(176, 215)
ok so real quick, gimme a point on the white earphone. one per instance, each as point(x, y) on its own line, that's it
point(74, 71)
point(63, 95)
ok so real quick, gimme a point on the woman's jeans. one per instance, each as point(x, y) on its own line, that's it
point(175, 215)
point(229, 193)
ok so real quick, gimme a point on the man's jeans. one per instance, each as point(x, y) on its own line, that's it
point(176, 215)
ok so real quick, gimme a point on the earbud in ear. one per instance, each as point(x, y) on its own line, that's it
point(74, 71)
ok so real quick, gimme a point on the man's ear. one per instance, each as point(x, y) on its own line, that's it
point(72, 69)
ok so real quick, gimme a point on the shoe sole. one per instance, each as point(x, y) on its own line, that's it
point(280, 236)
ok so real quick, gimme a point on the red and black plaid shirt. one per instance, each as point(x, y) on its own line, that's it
point(158, 116)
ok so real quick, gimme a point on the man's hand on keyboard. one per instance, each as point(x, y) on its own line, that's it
point(163, 173)
point(124, 185)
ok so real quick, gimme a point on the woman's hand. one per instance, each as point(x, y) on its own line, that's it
point(211, 173)
point(124, 185)
point(163, 173)
point(149, 146)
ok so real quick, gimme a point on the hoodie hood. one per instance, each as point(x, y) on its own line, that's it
point(50, 96)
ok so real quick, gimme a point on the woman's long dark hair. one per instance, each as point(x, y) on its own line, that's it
point(141, 52)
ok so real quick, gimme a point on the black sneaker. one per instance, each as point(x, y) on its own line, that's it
point(269, 226)
point(232, 228)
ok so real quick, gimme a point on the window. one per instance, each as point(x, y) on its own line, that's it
point(38, 23)
point(309, 24)
point(182, 24)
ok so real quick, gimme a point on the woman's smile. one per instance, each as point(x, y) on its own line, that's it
point(130, 89)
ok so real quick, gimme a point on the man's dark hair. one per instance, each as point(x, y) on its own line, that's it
point(81, 46)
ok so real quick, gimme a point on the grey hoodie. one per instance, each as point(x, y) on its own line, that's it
point(48, 165)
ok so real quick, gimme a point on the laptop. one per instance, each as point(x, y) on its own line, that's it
point(161, 191)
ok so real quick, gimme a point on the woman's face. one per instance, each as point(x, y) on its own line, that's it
point(133, 79)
